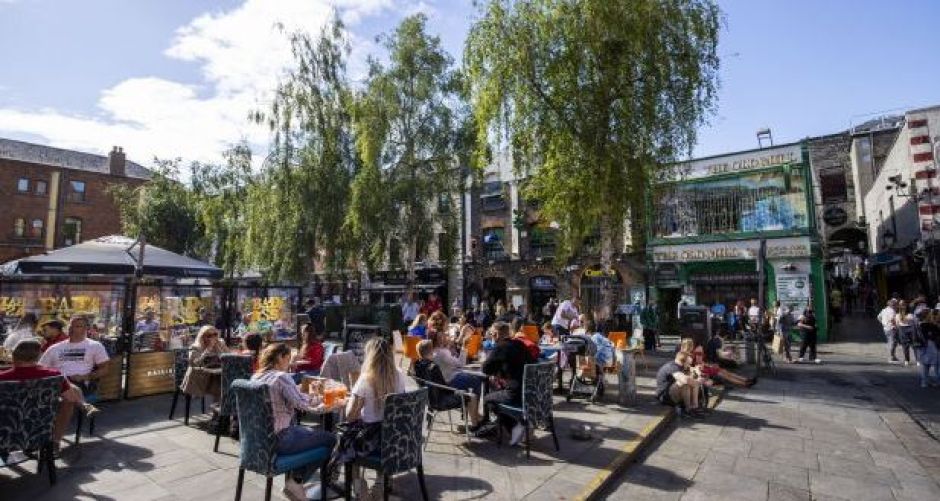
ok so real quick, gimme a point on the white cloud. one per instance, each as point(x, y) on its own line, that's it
point(241, 53)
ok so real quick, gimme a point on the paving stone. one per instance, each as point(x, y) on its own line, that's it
point(782, 492)
point(853, 488)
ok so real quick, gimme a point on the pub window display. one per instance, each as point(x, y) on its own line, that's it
point(765, 201)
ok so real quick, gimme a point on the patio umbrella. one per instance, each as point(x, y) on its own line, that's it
point(114, 255)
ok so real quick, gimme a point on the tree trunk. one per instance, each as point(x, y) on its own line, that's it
point(410, 256)
point(608, 297)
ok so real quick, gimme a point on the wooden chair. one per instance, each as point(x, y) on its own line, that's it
point(531, 332)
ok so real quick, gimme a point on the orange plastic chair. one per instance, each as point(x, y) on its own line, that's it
point(411, 348)
point(531, 332)
point(473, 346)
point(618, 339)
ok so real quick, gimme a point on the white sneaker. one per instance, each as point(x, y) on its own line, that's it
point(517, 432)
point(294, 491)
point(906, 363)
point(818, 361)
point(361, 488)
point(801, 360)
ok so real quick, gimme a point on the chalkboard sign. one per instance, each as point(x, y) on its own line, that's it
point(355, 337)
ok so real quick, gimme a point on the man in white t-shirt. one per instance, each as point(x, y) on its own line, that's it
point(409, 309)
point(564, 314)
point(82, 360)
point(888, 319)
point(753, 314)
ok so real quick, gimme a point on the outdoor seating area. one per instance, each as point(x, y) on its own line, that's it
point(226, 379)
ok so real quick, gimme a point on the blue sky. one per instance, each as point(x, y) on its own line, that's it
point(177, 77)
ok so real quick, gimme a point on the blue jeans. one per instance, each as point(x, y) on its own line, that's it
point(295, 439)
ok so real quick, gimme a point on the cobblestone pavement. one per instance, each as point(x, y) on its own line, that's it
point(852, 428)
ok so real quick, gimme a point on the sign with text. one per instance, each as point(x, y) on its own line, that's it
point(794, 291)
point(150, 373)
point(791, 247)
point(741, 162)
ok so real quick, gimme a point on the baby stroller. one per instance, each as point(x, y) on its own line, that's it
point(587, 379)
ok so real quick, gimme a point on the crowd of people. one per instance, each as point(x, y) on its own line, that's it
point(914, 327)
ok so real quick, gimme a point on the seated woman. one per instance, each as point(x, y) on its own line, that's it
point(450, 366)
point(419, 326)
point(428, 370)
point(548, 334)
point(712, 372)
point(380, 377)
point(286, 398)
point(309, 358)
point(465, 329)
point(251, 345)
point(205, 353)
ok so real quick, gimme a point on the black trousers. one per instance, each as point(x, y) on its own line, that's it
point(808, 341)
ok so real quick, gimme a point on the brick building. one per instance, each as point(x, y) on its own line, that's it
point(52, 197)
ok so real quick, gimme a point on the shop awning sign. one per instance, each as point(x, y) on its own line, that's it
point(793, 247)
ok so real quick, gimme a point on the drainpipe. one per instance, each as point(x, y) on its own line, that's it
point(53, 213)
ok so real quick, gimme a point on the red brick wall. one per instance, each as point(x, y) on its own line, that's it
point(98, 214)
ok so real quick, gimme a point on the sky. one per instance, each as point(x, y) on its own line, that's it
point(178, 78)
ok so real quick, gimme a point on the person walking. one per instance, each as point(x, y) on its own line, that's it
point(807, 327)
point(888, 319)
point(783, 322)
point(929, 341)
point(906, 324)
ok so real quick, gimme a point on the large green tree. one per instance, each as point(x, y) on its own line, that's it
point(296, 210)
point(590, 95)
point(407, 121)
point(163, 211)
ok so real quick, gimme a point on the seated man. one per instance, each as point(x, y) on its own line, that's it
point(83, 361)
point(439, 398)
point(674, 386)
point(506, 366)
point(52, 334)
point(25, 357)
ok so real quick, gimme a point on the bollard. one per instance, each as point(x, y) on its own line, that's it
point(626, 378)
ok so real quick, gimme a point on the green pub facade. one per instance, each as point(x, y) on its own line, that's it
point(708, 217)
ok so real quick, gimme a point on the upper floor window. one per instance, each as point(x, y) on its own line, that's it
point(41, 187)
point(19, 227)
point(77, 191)
point(72, 230)
point(22, 185)
point(832, 185)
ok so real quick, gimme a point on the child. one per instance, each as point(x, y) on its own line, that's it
point(427, 370)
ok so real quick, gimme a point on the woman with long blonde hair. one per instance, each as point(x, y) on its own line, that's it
point(205, 353)
point(380, 377)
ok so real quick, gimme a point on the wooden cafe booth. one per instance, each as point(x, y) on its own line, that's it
point(141, 304)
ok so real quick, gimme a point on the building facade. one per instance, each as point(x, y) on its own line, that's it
point(709, 218)
point(52, 197)
point(902, 207)
point(509, 252)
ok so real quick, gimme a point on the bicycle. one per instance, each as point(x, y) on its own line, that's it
point(764, 360)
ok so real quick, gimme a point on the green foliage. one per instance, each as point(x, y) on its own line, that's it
point(162, 210)
point(410, 130)
point(295, 212)
point(590, 95)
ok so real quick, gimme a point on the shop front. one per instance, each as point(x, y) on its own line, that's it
point(710, 218)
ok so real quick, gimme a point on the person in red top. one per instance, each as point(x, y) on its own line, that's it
point(52, 333)
point(432, 305)
point(25, 367)
point(309, 358)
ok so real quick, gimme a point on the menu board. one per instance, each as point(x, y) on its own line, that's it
point(794, 291)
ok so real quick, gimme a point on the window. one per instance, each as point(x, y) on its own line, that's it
point(394, 253)
point(19, 227)
point(493, 247)
point(832, 184)
point(36, 228)
point(492, 198)
point(72, 230)
point(22, 185)
point(445, 246)
point(41, 188)
point(541, 242)
point(76, 191)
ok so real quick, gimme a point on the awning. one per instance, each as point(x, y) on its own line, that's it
point(113, 255)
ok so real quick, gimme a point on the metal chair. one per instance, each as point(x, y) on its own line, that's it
point(437, 404)
point(27, 413)
point(90, 398)
point(233, 367)
point(258, 441)
point(180, 365)
point(401, 441)
point(536, 409)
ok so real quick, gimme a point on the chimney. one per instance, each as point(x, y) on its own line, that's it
point(117, 162)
